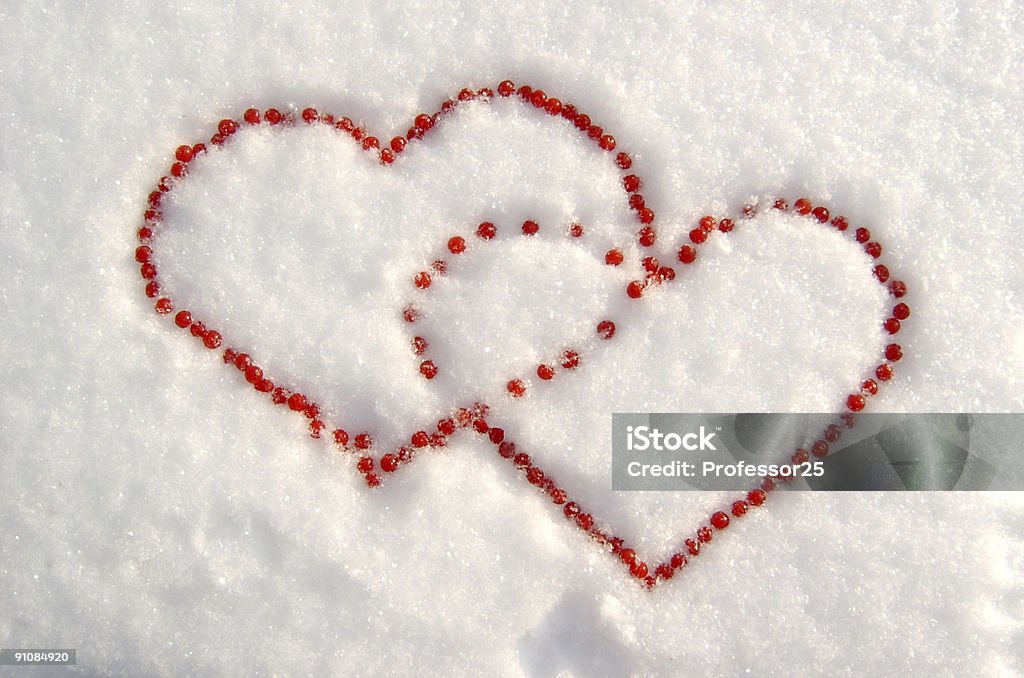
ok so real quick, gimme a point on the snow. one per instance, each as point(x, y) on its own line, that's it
point(162, 519)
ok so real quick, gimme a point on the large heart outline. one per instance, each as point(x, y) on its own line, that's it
point(375, 467)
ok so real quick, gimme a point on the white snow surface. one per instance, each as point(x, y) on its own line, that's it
point(161, 518)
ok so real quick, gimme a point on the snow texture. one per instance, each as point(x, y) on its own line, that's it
point(160, 518)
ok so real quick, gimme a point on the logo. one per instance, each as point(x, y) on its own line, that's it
point(643, 438)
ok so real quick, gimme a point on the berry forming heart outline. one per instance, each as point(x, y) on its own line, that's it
point(474, 417)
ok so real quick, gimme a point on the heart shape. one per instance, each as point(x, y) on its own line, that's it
point(475, 416)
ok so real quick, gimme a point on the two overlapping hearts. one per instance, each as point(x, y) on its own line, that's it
point(636, 251)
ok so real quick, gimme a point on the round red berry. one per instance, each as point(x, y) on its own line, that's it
point(862, 235)
point(545, 372)
point(364, 441)
point(687, 254)
point(530, 227)
point(183, 153)
point(164, 306)
point(570, 360)
point(893, 352)
point(892, 325)
point(884, 372)
point(606, 329)
point(516, 388)
point(614, 257)
point(635, 289)
point(855, 402)
point(720, 519)
point(506, 88)
point(756, 497)
point(631, 183)
point(698, 235)
point(623, 161)
point(802, 206)
point(422, 280)
point(486, 231)
point(647, 237)
point(183, 319)
point(821, 214)
point(428, 369)
point(901, 311)
point(212, 339)
point(739, 508)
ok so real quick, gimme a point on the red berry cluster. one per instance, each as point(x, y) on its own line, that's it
point(569, 359)
point(361, 446)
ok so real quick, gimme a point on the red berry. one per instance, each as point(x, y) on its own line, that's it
point(901, 311)
point(553, 106)
point(373, 480)
point(522, 461)
point(496, 435)
point(387, 156)
point(152, 289)
point(420, 439)
point(893, 352)
point(530, 227)
point(179, 169)
point(739, 508)
point(841, 223)
point(558, 495)
point(606, 142)
point(898, 288)
point(873, 249)
point(628, 556)
point(297, 402)
point(370, 142)
point(422, 280)
point(725, 225)
point(365, 464)
point(506, 88)
point(720, 519)
point(183, 319)
point(819, 449)
point(410, 314)
point(183, 153)
point(419, 345)
point(423, 122)
point(341, 436)
point(645, 215)
point(802, 206)
point(212, 339)
point(148, 271)
point(687, 254)
point(143, 254)
point(884, 372)
point(364, 441)
point(647, 237)
point(253, 374)
point(197, 329)
point(538, 98)
point(310, 115)
point(389, 463)
point(892, 325)
point(692, 547)
point(582, 122)
point(832, 433)
point(756, 497)
point(780, 205)
point(606, 329)
point(264, 386)
point(516, 388)
point(227, 127)
point(855, 402)
point(545, 372)
point(273, 116)
point(524, 92)
point(799, 457)
point(635, 289)
point(869, 386)
point(623, 161)
point(631, 183)
point(486, 231)
point(145, 233)
point(706, 224)
point(704, 534)
point(164, 306)
point(570, 360)
point(576, 230)
point(862, 235)
point(595, 131)
point(535, 476)
point(251, 116)
point(242, 361)
point(821, 214)
point(428, 369)
point(666, 273)
point(698, 235)
point(677, 561)
point(457, 245)
point(614, 257)
point(881, 272)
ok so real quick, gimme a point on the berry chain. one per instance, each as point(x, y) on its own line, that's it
point(474, 417)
